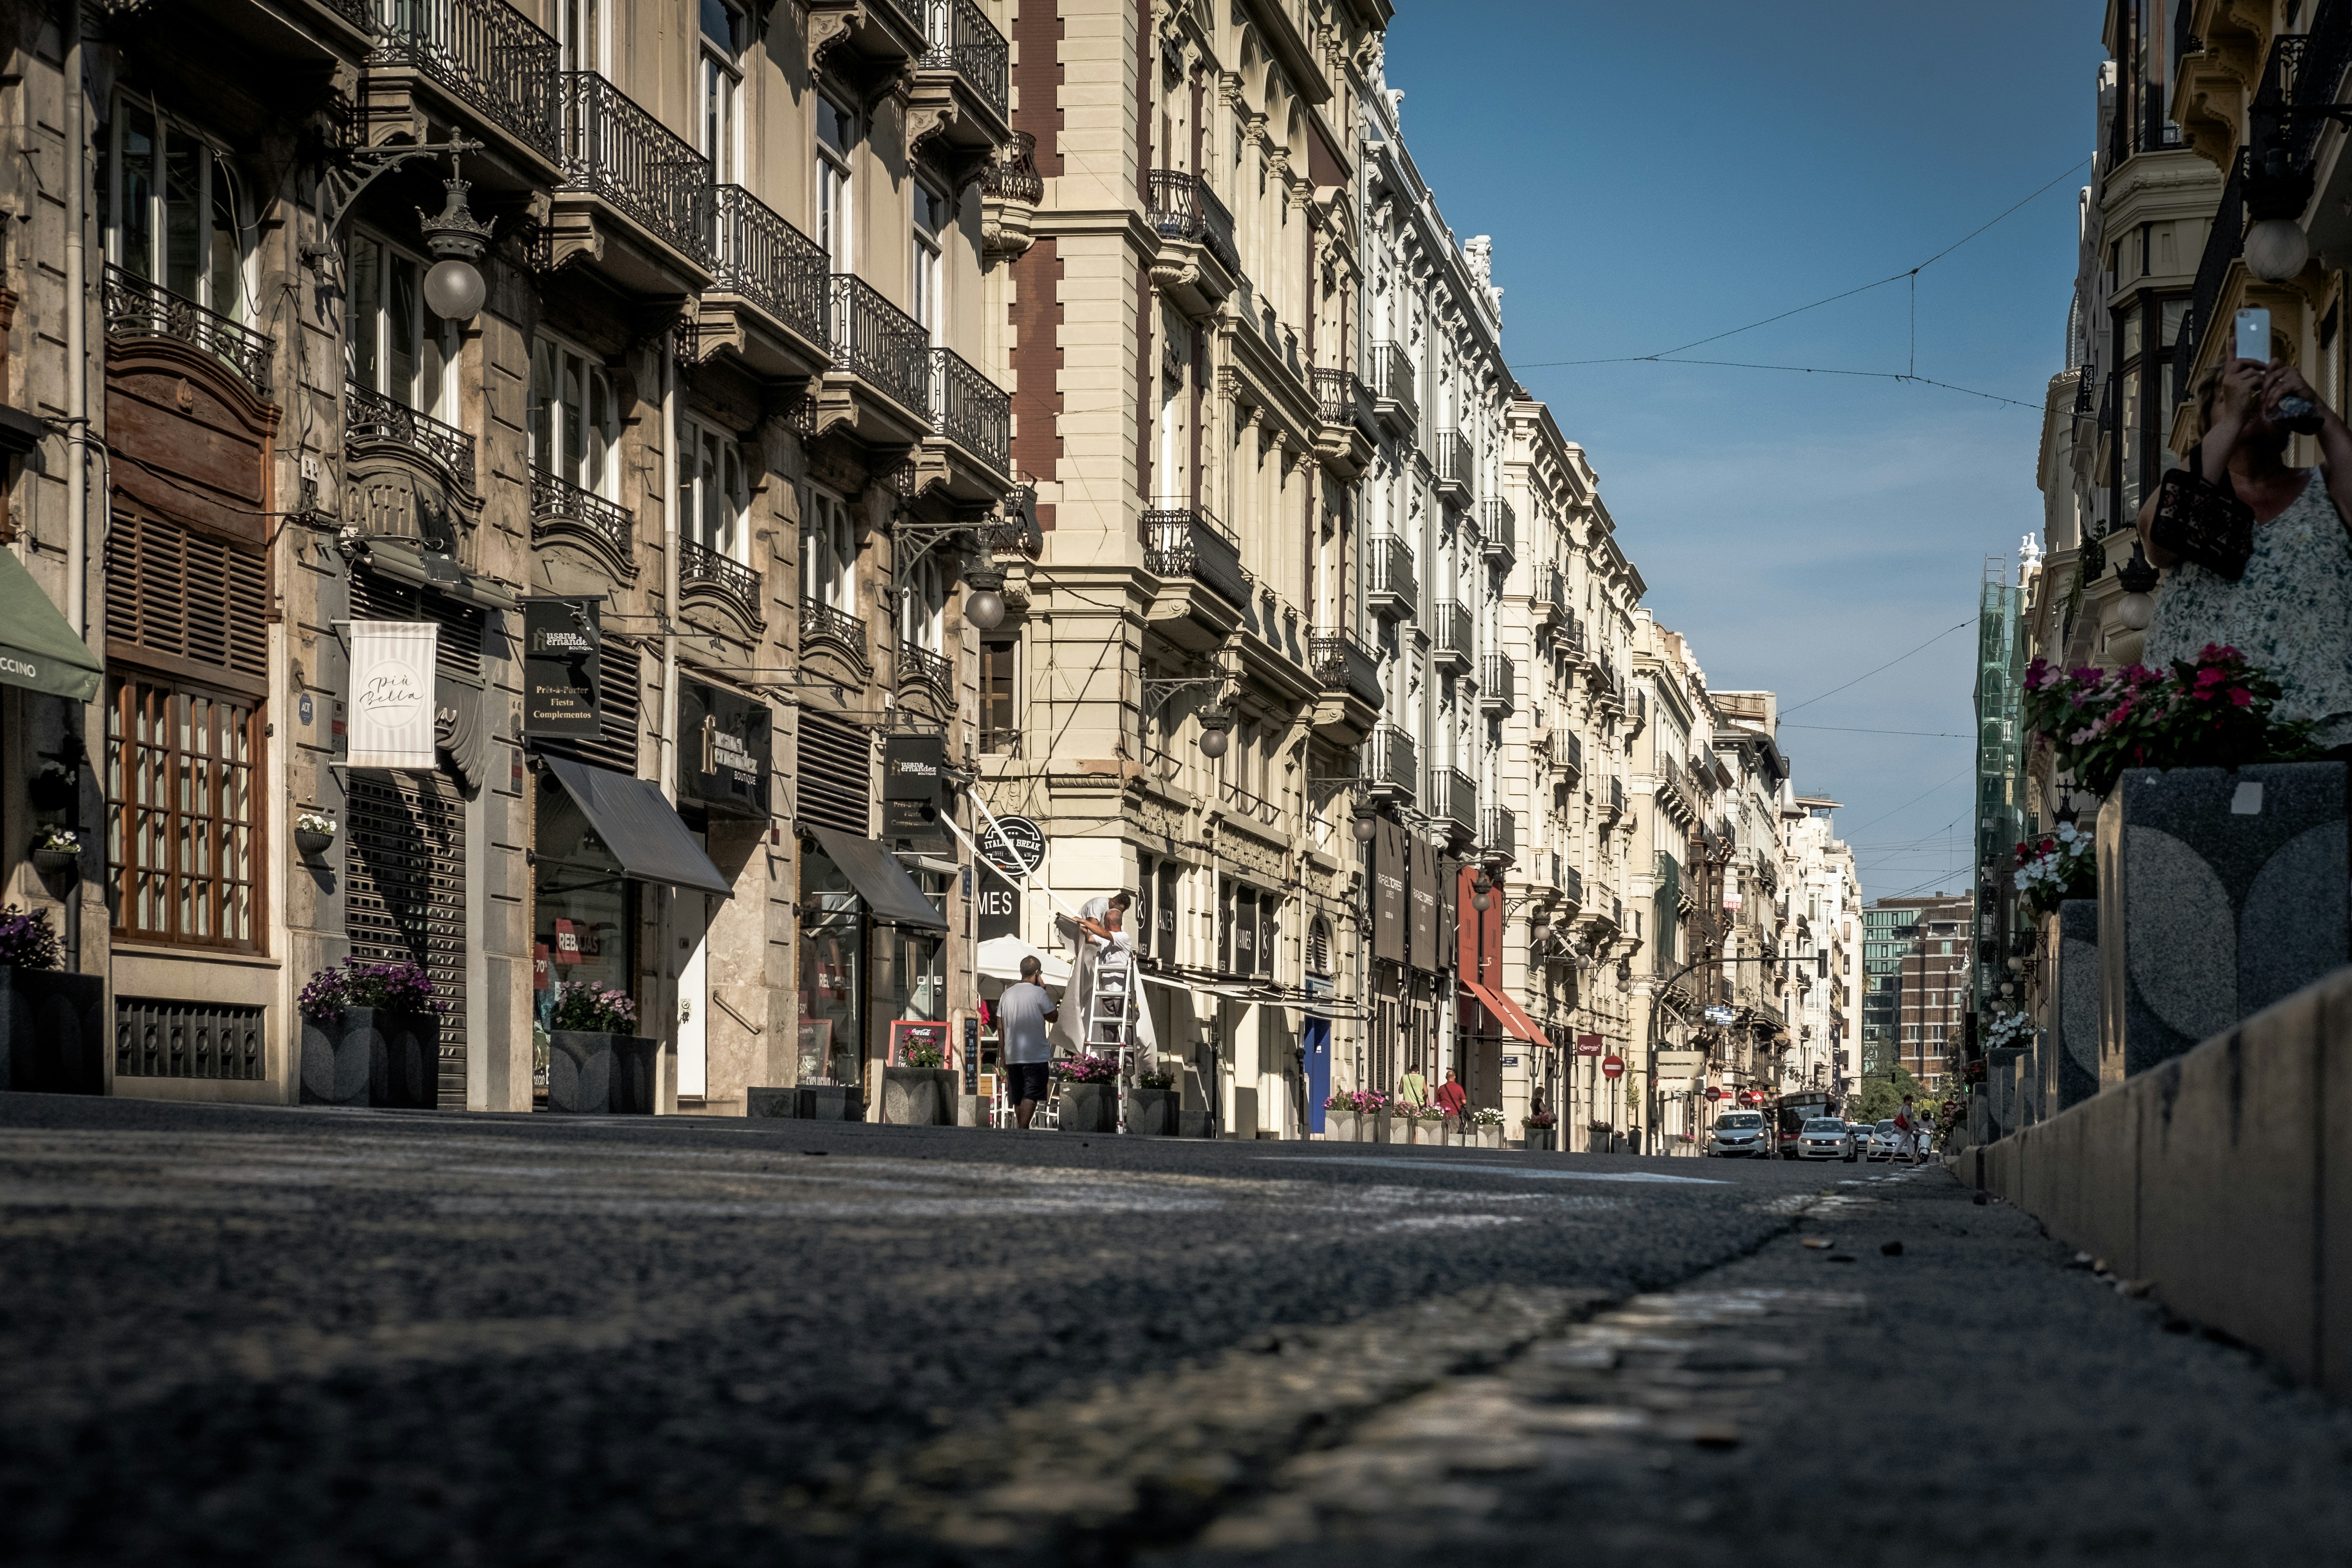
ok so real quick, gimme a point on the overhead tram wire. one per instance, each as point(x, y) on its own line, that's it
point(1867, 674)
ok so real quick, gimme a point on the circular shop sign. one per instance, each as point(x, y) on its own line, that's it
point(1014, 842)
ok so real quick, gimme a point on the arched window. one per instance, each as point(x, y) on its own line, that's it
point(828, 553)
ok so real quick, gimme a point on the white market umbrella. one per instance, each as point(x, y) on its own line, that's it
point(999, 958)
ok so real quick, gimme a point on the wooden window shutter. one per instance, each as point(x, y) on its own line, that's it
point(187, 602)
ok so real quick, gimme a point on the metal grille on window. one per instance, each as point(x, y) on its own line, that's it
point(186, 1039)
point(404, 897)
point(837, 774)
point(621, 699)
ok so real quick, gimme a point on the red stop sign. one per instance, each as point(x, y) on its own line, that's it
point(1715, 1094)
point(1612, 1067)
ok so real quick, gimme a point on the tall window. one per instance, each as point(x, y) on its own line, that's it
point(721, 88)
point(572, 425)
point(169, 200)
point(2146, 392)
point(398, 347)
point(836, 139)
point(579, 33)
point(182, 815)
point(711, 488)
point(828, 553)
point(929, 275)
point(922, 605)
point(1000, 733)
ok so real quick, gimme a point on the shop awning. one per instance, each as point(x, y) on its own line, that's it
point(889, 893)
point(641, 829)
point(38, 651)
point(1513, 1017)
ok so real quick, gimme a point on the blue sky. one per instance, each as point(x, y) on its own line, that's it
point(1655, 174)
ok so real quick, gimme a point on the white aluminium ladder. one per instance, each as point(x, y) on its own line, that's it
point(1110, 1014)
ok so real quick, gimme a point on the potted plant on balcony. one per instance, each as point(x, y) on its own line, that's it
point(52, 1039)
point(1153, 1105)
point(1486, 1128)
point(597, 1063)
point(314, 833)
point(1088, 1086)
point(371, 1035)
point(56, 850)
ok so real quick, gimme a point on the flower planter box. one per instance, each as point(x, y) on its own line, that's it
point(55, 862)
point(910, 1097)
point(947, 1084)
point(370, 1056)
point(1489, 1137)
point(595, 1074)
point(53, 1032)
point(1154, 1113)
point(1383, 1129)
point(2219, 893)
point(311, 844)
point(1090, 1107)
point(1539, 1139)
point(1340, 1126)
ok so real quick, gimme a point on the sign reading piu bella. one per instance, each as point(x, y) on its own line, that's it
point(563, 667)
point(726, 752)
point(392, 694)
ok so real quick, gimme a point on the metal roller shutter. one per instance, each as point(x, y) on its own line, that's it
point(405, 895)
point(835, 787)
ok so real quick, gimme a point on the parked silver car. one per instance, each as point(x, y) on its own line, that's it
point(1738, 1134)
point(1825, 1138)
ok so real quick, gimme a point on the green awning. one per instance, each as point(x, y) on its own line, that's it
point(38, 650)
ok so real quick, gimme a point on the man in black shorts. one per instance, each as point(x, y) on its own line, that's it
point(1023, 1015)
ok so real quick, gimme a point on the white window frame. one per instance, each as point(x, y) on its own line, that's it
point(927, 259)
point(922, 606)
point(719, 89)
point(421, 390)
point(575, 17)
point(835, 187)
point(828, 552)
point(577, 447)
point(713, 491)
point(212, 170)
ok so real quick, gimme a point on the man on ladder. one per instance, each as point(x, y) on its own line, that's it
point(1103, 1013)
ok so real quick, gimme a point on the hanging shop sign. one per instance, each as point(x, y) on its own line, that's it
point(1423, 887)
point(1015, 846)
point(562, 668)
point(1390, 877)
point(1587, 1045)
point(726, 752)
point(915, 791)
point(392, 694)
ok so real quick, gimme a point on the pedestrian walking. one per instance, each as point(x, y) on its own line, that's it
point(1024, 1013)
point(1413, 1090)
point(1907, 1131)
point(1451, 1098)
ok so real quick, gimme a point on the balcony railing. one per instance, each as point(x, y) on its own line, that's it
point(1499, 682)
point(971, 410)
point(1343, 664)
point(919, 663)
point(1576, 752)
point(1451, 448)
point(1454, 798)
point(699, 565)
point(961, 39)
point(615, 151)
point(485, 54)
point(372, 416)
point(1451, 629)
point(1012, 175)
point(555, 500)
point(136, 307)
point(2225, 242)
point(1334, 396)
point(881, 343)
point(824, 621)
point(1393, 379)
point(1178, 541)
point(1499, 525)
point(1219, 229)
point(770, 262)
point(1498, 830)
point(1392, 572)
point(1184, 208)
point(1389, 759)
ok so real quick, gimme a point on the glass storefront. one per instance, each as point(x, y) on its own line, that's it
point(917, 960)
point(833, 973)
point(584, 904)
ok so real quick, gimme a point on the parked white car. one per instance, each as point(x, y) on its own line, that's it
point(1739, 1135)
point(1883, 1139)
point(1825, 1138)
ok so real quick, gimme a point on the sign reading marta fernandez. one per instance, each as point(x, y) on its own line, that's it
point(392, 694)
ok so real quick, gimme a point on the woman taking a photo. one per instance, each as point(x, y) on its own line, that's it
point(2290, 612)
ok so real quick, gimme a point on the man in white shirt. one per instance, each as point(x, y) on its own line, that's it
point(1022, 1013)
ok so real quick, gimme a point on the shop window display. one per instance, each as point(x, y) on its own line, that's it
point(583, 902)
point(832, 973)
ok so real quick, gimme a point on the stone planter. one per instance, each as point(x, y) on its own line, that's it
point(55, 862)
point(1340, 1126)
point(827, 1102)
point(1154, 1113)
point(367, 1056)
point(592, 1074)
point(910, 1097)
point(2071, 1066)
point(1090, 1107)
point(1489, 1136)
point(1384, 1130)
point(2219, 893)
point(53, 1033)
point(947, 1084)
point(1547, 1138)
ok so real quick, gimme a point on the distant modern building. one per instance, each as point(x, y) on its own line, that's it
point(1915, 975)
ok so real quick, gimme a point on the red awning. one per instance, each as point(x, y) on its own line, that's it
point(1514, 1016)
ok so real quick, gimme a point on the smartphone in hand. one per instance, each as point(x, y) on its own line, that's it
point(2254, 334)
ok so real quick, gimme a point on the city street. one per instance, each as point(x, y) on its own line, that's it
point(284, 1335)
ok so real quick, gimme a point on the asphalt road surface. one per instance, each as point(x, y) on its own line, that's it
point(281, 1336)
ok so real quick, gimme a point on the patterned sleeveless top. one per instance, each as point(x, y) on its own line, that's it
point(2291, 613)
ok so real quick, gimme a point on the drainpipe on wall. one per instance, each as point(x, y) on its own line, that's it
point(77, 140)
point(666, 749)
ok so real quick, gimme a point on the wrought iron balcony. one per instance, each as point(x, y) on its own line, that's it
point(961, 39)
point(1393, 387)
point(823, 621)
point(1394, 589)
point(770, 262)
point(485, 54)
point(616, 151)
point(882, 344)
point(1182, 542)
point(1184, 208)
point(136, 307)
point(1498, 683)
point(971, 410)
point(557, 503)
point(1613, 802)
point(1389, 763)
point(921, 664)
point(371, 417)
point(1012, 175)
point(1454, 800)
point(1498, 830)
point(1334, 396)
point(1572, 754)
point(1343, 664)
point(1457, 477)
point(1451, 632)
point(1498, 525)
point(700, 566)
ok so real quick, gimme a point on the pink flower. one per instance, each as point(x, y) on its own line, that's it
point(2242, 698)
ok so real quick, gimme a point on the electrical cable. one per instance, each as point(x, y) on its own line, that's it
point(1848, 730)
point(1890, 664)
point(1920, 796)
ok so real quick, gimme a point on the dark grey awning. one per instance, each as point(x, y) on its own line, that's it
point(641, 829)
point(889, 893)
